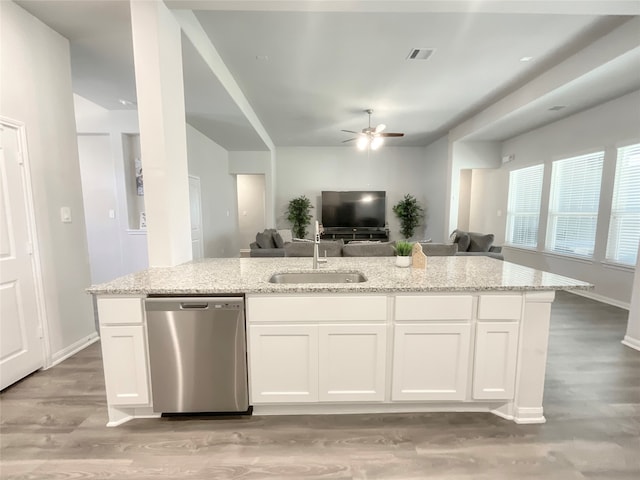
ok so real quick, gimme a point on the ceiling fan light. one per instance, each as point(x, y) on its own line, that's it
point(380, 128)
point(376, 143)
point(362, 143)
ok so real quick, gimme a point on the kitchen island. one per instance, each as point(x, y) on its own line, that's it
point(466, 334)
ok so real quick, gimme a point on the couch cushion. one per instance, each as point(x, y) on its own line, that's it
point(463, 240)
point(371, 249)
point(333, 248)
point(277, 239)
point(285, 233)
point(265, 239)
point(480, 242)
point(439, 249)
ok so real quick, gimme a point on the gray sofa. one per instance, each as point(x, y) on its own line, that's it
point(268, 244)
point(473, 244)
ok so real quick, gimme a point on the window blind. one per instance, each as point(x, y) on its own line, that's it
point(573, 205)
point(523, 206)
point(624, 227)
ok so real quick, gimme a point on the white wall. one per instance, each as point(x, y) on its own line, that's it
point(601, 128)
point(309, 170)
point(210, 162)
point(435, 189)
point(251, 208)
point(464, 156)
point(99, 194)
point(258, 163)
point(122, 128)
point(36, 89)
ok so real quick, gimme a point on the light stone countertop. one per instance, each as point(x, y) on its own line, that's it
point(251, 275)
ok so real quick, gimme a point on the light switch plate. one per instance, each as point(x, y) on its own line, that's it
point(65, 214)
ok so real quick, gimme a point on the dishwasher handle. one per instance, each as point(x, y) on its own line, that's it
point(193, 306)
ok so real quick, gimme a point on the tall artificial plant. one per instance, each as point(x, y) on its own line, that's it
point(299, 216)
point(410, 213)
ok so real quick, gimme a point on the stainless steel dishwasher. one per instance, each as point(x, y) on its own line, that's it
point(197, 354)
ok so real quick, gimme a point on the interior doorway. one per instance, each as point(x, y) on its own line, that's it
point(21, 331)
point(251, 209)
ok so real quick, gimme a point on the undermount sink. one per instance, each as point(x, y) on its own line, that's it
point(318, 277)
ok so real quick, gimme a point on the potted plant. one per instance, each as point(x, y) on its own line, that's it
point(403, 253)
point(299, 216)
point(410, 213)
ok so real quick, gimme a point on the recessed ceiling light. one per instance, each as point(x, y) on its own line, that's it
point(126, 103)
point(526, 59)
point(421, 53)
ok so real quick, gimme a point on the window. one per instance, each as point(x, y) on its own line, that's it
point(624, 228)
point(573, 206)
point(523, 208)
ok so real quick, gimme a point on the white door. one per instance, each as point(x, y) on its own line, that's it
point(197, 241)
point(284, 363)
point(431, 361)
point(21, 347)
point(352, 362)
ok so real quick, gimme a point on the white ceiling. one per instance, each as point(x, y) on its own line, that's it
point(328, 61)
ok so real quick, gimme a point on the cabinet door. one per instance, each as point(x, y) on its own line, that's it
point(352, 362)
point(125, 365)
point(284, 363)
point(430, 361)
point(495, 360)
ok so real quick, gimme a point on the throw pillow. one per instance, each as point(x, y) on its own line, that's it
point(264, 240)
point(480, 243)
point(277, 239)
point(463, 240)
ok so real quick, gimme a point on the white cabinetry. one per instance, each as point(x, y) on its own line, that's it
point(124, 350)
point(430, 361)
point(284, 363)
point(431, 347)
point(496, 347)
point(298, 356)
point(495, 360)
point(352, 362)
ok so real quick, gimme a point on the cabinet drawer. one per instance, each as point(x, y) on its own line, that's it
point(499, 307)
point(316, 308)
point(436, 307)
point(120, 310)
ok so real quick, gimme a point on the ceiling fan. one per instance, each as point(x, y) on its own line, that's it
point(372, 137)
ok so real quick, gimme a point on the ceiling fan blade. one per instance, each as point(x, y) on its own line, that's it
point(348, 140)
point(380, 128)
point(391, 134)
point(349, 131)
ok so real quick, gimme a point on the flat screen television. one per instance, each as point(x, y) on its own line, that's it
point(353, 209)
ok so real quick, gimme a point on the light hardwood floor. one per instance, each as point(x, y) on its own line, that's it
point(53, 427)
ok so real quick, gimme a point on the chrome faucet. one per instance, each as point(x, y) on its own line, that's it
point(316, 245)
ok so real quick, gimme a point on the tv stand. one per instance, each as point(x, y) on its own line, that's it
point(356, 233)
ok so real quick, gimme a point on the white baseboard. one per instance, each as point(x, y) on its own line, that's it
point(631, 342)
point(601, 298)
point(529, 415)
point(72, 349)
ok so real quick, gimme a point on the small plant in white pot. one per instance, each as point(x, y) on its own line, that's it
point(403, 253)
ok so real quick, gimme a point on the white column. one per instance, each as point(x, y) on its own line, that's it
point(532, 359)
point(163, 140)
point(632, 338)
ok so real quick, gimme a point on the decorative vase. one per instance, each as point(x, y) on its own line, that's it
point(403, 261)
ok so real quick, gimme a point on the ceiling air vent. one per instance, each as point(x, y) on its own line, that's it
point(420, 53)
point(557, 107)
